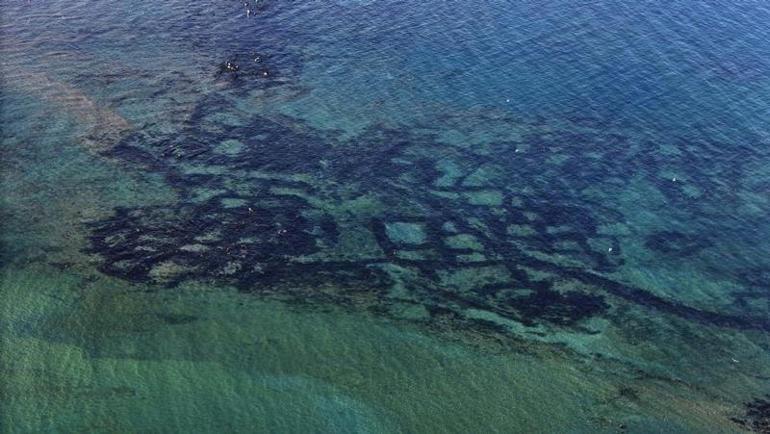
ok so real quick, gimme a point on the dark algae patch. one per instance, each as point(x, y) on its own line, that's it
point(676, 243)
point(757, 416)
point(397, 215)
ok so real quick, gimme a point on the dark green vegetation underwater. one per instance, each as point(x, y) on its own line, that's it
point(252, 223)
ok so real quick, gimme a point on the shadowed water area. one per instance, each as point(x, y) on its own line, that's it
point(381, 216)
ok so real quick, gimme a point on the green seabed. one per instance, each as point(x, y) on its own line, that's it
point(87, 354)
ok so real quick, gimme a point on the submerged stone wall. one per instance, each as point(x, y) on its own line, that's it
point(520, 224)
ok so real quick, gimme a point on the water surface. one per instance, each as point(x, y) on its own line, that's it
point(382, 216)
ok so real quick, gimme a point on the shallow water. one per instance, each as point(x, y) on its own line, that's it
point(380, 216)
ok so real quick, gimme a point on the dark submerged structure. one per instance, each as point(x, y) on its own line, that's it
point(399, 217)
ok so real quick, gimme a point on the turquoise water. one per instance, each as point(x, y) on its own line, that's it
point(376, 216)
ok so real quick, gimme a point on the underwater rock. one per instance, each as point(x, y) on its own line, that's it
point(274, 220)
point(676, 243)
point(255, 69)
point(228, 67)
point(554, 307)
point(757, 416)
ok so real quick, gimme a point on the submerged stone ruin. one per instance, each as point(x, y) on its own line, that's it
point(509, 228)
